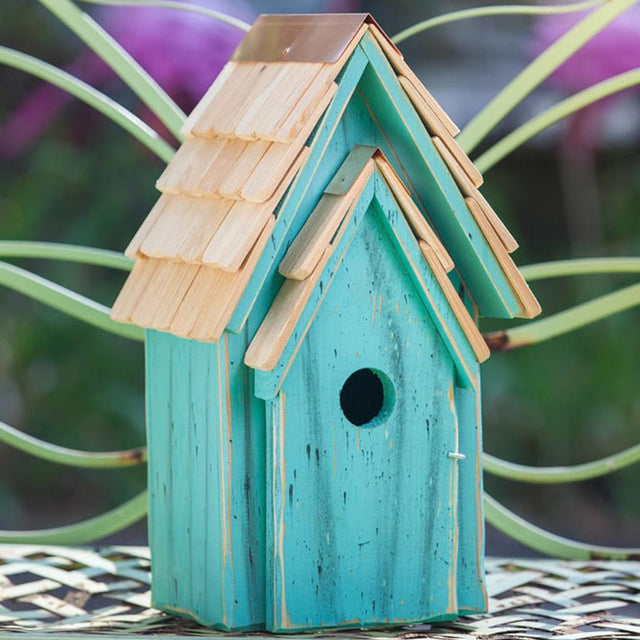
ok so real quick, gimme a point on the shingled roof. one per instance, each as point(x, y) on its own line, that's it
point(244, 144)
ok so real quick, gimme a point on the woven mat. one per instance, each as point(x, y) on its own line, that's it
point(105, 592)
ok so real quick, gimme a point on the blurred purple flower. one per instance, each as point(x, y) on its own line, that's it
point(614, 50)
point(182, 51)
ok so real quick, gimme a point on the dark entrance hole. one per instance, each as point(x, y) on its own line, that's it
point(362, 397)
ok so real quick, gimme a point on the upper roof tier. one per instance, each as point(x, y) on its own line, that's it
point(245, 143)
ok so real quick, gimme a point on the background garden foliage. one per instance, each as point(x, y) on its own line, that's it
point(70, 175)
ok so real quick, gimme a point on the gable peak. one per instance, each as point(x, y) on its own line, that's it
point(304, 37)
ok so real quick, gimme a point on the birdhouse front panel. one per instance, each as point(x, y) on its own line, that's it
point(362, 521)
point(311, 279)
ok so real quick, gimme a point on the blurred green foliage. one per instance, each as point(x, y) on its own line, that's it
point(566, 401)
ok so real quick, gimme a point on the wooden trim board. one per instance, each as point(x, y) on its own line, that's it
point(469, 189)
point(414, 216)
point(436, 127)
point(529, 304)
point(466, 322)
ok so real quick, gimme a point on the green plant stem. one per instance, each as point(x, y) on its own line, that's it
point(142, 84)
point(498, 10)
point(583, 266)
point(556, 113)
point(565, 321)
point(64, 300)
point(548, 543)
point(545, 64)
point(86, 531)
point(67, 252)
point(99, 101)
point(70, 457)
point(180, 6)
point(555, 475)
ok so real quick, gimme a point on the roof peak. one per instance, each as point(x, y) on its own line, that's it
point(303, 37)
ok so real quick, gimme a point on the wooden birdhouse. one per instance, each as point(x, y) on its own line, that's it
point(311, 278)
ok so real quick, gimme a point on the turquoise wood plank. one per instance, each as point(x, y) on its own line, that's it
point(268, 382)
point(178, 412)
point(472, 594)
point(434, 186)
point(443, 317)
point(158, 424)
point(206, 450)
point(362, 520)
point(326, 155)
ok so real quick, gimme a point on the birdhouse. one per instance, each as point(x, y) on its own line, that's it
point(310, 280)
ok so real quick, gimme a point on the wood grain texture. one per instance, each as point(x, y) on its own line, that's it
point(350, 170)
point(162, 297)
point(224, 81)
point(356, 526)
point(222, 114)
point(184, 171)
point(467, 323)
point(279, 157)
point(436, 191)
point(264, 118)
point(414, 216)
point(471, 581)
point(237, 234)
point(370, 509)
point(141, 276)
point(133, 249)
point(309, 246)
point(403, 69)
point(325, 157)
point(469, 189)
point(209, 303)
point(206, 439)
point(528, 302)
point(376, 201)
point(436, 127)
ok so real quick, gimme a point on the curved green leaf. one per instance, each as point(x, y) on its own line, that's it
point(68, 252)
point(180, 6)
point(556, 475)
point(581, 266)
point(548, 543)
point(110, 108)
point(542, 67)
point(64, 300)
point(140, 82)
point(565, 321)
point(483, 12)
point(70, 457)
point(86, 531)
point(556, 113)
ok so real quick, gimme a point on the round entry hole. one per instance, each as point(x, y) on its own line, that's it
point(366, 397)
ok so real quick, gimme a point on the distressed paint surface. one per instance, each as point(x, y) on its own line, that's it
point(206, 481)
point(235, 554)
point(472, 595)
point(361, 521)
point(268, 382)
point(370, 108)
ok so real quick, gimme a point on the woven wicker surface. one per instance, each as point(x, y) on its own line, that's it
point(81, 592)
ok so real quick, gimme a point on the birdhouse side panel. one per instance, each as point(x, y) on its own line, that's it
point(362, 492)
point(206, 481)
point(472, 593)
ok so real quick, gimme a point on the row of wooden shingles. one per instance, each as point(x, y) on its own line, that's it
point(466, 175)
point(197, 248)
point(306, 258)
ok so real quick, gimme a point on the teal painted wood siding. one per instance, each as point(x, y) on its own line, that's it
point(206, 481)
point(362, 525)
point(268, 509)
